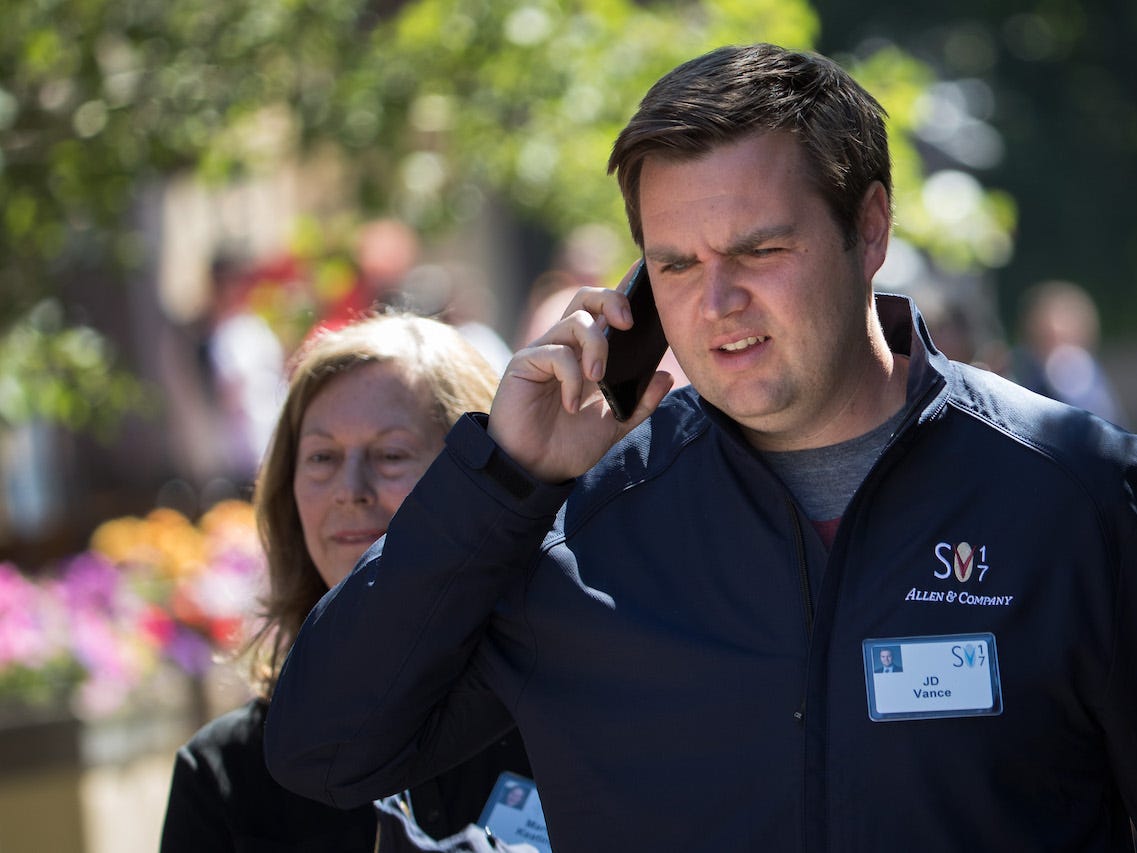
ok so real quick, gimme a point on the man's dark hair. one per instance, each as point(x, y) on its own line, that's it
point(734, 92)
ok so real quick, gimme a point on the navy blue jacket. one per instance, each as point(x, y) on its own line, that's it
point(684, 657)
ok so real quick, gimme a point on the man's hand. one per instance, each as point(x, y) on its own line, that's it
point(548, 414)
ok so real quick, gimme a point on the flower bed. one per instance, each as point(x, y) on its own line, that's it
point(148, 595)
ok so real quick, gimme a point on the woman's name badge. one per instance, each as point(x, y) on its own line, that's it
point(920, 678)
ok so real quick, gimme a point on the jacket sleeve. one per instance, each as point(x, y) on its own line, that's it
point(381, 689)
point(1119, 714)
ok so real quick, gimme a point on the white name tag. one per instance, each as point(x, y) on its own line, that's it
point(919, 678)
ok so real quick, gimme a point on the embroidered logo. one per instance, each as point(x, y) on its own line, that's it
point(962, 560)
point(968, 564)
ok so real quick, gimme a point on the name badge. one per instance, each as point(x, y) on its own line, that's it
point(513, 814)
point(920, 678)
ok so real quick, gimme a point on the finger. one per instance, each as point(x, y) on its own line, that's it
point(583, 333)
point(552, 363)
point(604, 302)
point(567, 369)
point(585, 298)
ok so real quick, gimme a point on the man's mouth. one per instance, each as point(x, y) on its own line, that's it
point(738, 346)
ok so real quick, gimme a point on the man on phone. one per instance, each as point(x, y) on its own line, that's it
point(679, 609)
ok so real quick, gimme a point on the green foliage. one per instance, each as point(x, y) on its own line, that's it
point(962, 226)
point(434, 107)
point(63, 375)
point(458, 98)
point(100, 97)
point(525, 100)
point(39, 686)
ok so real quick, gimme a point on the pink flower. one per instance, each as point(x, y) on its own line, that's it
point(31, 625)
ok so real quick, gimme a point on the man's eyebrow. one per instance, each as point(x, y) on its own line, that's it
point(753, 239)
point(665, 256)
point(740, 245)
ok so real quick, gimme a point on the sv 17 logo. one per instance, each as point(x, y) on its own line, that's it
point(961, 560)
point(971, 655)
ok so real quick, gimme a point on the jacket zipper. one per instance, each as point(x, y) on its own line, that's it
point(803, 582)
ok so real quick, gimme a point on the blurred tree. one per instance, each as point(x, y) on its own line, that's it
point(434, 103)
point(98, 97)
point(57, 374)
point(457, 98)
point(1045, 92)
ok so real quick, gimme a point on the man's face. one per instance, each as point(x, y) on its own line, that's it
point(886, 657)
point(764, 307)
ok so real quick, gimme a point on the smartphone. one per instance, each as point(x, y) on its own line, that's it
point(633, 354)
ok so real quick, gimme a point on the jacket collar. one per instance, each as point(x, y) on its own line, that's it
point(907, 334)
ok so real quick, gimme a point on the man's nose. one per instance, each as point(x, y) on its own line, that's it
point(722, 294)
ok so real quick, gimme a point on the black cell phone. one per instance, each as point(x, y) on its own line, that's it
point(633, 354)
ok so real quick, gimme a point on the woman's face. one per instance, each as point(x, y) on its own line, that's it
point(365, 439)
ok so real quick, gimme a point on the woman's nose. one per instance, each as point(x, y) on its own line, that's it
point(356, 482)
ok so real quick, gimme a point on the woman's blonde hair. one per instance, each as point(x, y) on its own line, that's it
point(432, 356)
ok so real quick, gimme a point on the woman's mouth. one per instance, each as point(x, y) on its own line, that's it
point(356, 537)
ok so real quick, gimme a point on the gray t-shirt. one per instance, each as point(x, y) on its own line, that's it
point(823, 479)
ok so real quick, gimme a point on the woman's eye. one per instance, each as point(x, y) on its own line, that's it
point(318, 457)
point(389, 457)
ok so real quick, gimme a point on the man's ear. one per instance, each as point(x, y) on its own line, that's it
point(874, 225)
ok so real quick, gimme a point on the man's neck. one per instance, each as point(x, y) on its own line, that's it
point(879, 393)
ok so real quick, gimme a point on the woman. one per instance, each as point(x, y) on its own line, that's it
point(367, 409)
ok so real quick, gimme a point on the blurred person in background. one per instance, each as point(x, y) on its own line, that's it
point(961, 322)
point(223, 371)
point(244, 364)
point(367, 408)
point(386, 250)
point(1060, 330)
point(391, 274)
point(585, 258)
point(456, 294)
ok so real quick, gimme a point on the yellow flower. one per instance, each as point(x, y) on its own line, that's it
point(117, 539)
point(177, 546)
point(230, 524)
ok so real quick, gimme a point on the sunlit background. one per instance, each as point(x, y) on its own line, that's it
point(167, 166)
